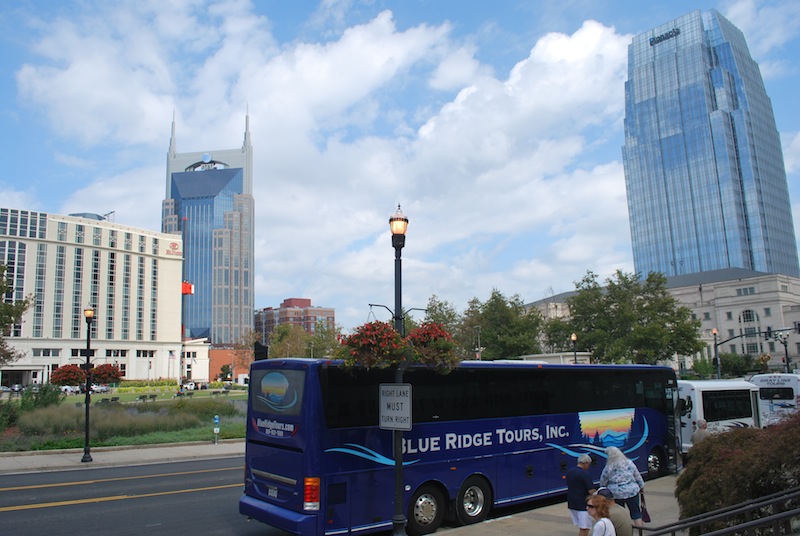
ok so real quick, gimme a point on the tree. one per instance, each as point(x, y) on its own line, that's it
point(106, 373)
point(244, 349)
point(506, 327)
point(68, 375)
point(10, 314)
point(632, 320)
point(324, 341)
point(288, 340)
point(225, 373)
point(557, 334)
point(443, 313)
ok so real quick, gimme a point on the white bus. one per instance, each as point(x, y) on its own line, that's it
point(723, 404)
point(778, 395)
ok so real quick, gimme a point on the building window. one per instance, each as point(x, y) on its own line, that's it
point(771, 345)
point(97, 236)
point(79, 234)
point(767, 311)
point(729, 315)
point(62, 232)
point(706, 316)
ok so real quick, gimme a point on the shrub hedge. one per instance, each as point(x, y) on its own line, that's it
point(739, 465)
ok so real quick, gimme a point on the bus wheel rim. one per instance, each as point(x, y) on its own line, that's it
point(425, 509)
point(474, 501)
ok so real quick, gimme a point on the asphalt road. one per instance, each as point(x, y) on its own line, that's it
point(196, 497)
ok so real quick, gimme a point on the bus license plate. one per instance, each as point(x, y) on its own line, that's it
point(272, 491)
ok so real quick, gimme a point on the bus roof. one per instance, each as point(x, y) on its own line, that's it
point(500, 363)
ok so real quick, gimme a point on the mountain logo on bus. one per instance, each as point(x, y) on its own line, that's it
point(607, 428)
point(277, 392)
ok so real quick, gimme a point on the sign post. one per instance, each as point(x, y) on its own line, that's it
point(216, 429)
point(395, 406)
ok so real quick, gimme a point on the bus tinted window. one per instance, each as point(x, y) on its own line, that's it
point(725, 405)
point(351, 396)
point(776, 393)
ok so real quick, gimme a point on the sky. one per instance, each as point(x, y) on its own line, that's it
point(497, 126)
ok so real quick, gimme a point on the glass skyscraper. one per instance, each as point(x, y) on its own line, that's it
point(704, 170)
point(209, 202)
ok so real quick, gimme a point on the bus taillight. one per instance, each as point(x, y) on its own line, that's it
point(311, 493)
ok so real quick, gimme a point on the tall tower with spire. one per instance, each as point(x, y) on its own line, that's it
point(209, 201)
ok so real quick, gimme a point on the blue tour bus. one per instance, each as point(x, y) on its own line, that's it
point(484, 435)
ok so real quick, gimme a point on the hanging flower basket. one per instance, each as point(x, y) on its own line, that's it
point(433, 347)
point(377, 344)
point(374, 344)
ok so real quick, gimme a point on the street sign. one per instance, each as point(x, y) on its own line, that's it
point(395, 406)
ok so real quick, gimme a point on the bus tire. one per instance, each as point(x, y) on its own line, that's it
point(473, 501)
point(656, 464)
point(425, 510)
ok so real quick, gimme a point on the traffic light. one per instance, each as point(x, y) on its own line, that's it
point(769, 332)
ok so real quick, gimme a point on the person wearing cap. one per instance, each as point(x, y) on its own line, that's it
point(618, 515)
point(579, 486)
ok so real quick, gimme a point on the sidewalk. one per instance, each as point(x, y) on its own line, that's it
point(60, 460)
point(552, 520)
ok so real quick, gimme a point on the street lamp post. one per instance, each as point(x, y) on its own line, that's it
point(716, 354)
point(574, 339)
point(88, 314)
point(479, 350)
point(398, 224)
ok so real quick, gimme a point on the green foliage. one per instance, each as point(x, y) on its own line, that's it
point(44, 395)
point(288, 340)
point(704, 368)
point(508, 329)
point(68, 375)
point(117, 424)
point(9, 414)
point(631, 320)
point(225, 372)
point(735, 365)
point(557, 334)
point(106, 373)
point(740, 465)
point(10, 314)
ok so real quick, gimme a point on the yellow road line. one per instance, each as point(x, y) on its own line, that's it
point(111, 498)
point(117, 479)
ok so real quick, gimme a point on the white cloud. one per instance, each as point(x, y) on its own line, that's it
point(492, 180)
point(766, 25)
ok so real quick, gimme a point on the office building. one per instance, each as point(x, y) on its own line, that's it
point(704, 170)
point(130, 277)
point(209, 202)
point(296, 312)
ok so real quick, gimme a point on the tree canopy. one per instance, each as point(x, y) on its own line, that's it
point(10, 314)
point(631, 320)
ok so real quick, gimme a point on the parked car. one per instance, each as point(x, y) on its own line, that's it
point(67, 390)
point(16, 388)
point(188, 386)
point(100, 388)
point(5, 389)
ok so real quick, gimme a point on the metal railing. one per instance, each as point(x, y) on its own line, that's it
point(773, 511)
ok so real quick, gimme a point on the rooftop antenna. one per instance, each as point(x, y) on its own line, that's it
point(107, 214)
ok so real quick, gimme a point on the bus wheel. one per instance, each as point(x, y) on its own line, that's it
point(425, 511)
point(473, 501)
point(655, 463)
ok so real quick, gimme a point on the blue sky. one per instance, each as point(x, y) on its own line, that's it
point(496, 125)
